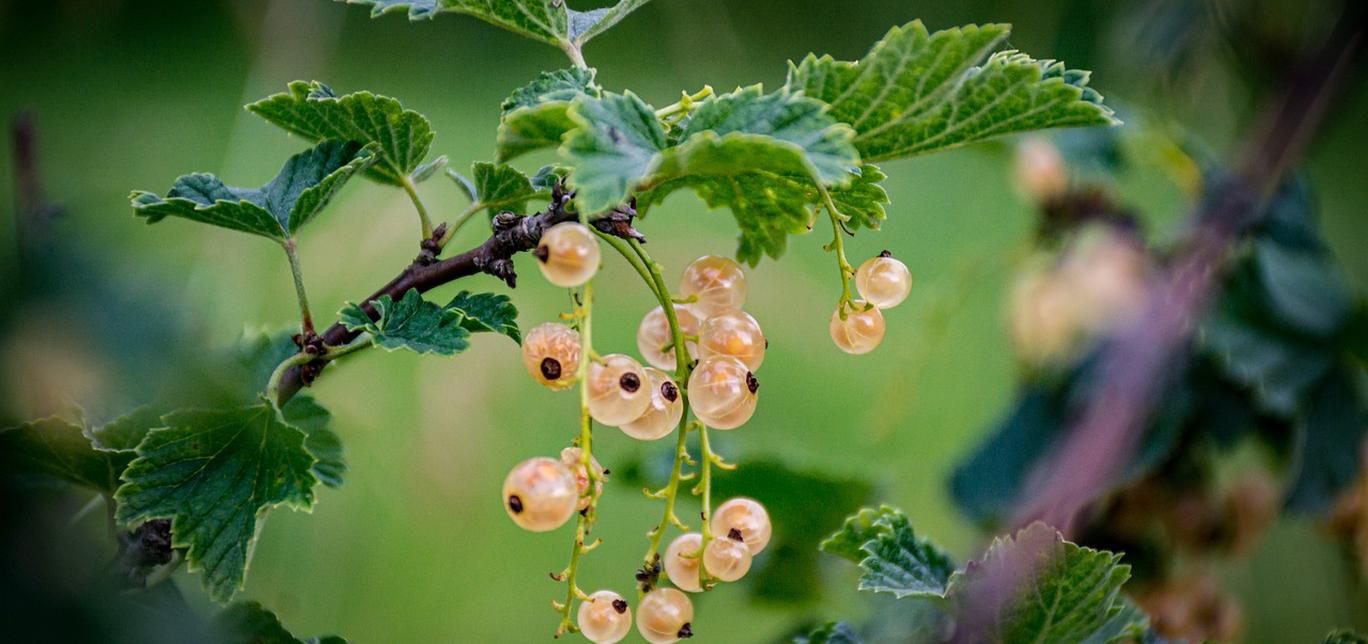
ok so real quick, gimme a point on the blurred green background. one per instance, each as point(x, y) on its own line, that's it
point(415, 547)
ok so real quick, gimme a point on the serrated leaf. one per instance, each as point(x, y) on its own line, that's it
point(586, 25)
point(917, 92)
point(500, 187)
point(125, 432)
point(831, 633)
point(53, 450)
point(277, 210)
point(535, 115)
point(214, 473)
point(314, 111)
point(418, 325)
point(901, 564)
point(616, 141)
point(858, 529)
point(549, 21)
point(479, 312)
point(252, 623)
point(1329, 440)
point(1066, 592)
point(416, 9)
point(305, 414)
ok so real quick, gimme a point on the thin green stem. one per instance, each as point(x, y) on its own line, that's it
point(685, 103)
point(364, 341)
point(576, 55)
point(838, 246)
point(584, 315)
point(417, 200)
point(297, 272)
point(459, 221)
point(273, 385)
point(628, 254)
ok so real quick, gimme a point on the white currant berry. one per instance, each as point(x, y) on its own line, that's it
point(618, 390)
point(733, 333)
point(665, 616)
point(573, 458)
point(1039, 169)
point(717, 282)
point(727, 558)
point(860, 332)
point(748, 518)
point(654, 335)
point(540, 494)
point(681, 561)
point(551, 353)
point(568, 254)
point(883, 281)
point(604, 618)
point(723, 392)
point(661, 416)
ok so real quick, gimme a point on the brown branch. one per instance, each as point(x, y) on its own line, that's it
point(512, 234)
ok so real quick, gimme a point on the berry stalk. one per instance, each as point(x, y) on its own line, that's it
point(584, 316)
point(838, 246)
point(418, 205)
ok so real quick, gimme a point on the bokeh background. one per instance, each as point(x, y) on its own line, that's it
point(415, 546)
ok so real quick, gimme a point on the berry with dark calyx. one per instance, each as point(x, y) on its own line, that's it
point(860, 332)
point(540, 494)
point(883, 281)
point(718, 284)
point(568, 254)
point(653, 336)
point(747, 518)
point(663, 413)
point(617, 393)
point(722, 392)
point(681, 561)
point(573, 458)
point(604, 618)
point(551, 354)
point(732, 333)
point(727, 559)
point(665, 616)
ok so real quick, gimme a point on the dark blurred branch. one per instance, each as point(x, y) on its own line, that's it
point(1134, 368)
point(512, 234)
point(32, 212)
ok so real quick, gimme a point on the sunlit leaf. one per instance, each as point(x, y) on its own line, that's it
point(535, 115)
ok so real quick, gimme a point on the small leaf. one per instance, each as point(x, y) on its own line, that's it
point(1066, 592)
point(427, 170)
point(214, 473)
point(418, 325)
point(535, 115)
point(894, 560)
point(314, 111)
point(52, 450)
point(277, 210)
point(1329, 441)
point(500, 187)
point(858, 529)
point(917, 92)
point(832, 633)
point(416, 9)
point(586, 25)
point(486, 312)
point(251, 623)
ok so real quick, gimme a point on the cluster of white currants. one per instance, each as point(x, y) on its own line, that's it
point(883, 283)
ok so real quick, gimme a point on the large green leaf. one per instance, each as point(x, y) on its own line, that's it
point(125, 432)
point(315, 112)
point(917, 92)
point(585, 25)
point(305, 414)
point(1066, 592)
point(214, 473)
point(616, 141)
point(421, 326)
point(894, 559)
point(549, 21)
point(1329, 441)
point(536, 115)
point(277, 210)
point(252, 623)
point(52, 450)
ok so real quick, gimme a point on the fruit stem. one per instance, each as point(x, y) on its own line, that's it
point(628, 254)
point(423, 219)
point(584, 305)
point(685, 104)
point(838, 246)
point(459, 221)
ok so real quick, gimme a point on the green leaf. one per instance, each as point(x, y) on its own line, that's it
point(305, 414)
point(251, 623)
point(1344, 636)
point(416, 9)
point(481, 312)
point(1067, 592)
point(832, 633)
point(988, 483)
point(615, 143)
point(52, 450)
point(314, 111)
point(894, 559)
point(277, 210)
point(1329, 441)
point(535, 115)
point(214, 473)
point(586, 25)
point(427, 170)
point(549, 21)
point(917, 92)
point(125, 432)
point(498, 187)
point(1302, 289)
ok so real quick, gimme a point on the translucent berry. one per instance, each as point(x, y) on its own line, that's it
point(718, 283)
point(1039, 169)
point(727, 558)
point(619, 391)
point(604, 618)
point(681, 561)
point(654, 335)
point(661, 416)
point(665, 616)
point(568, 254)
point(540, 494)
point(860, 332)
point(748, 518)
point(883, 281)
point(722, 392)
point(573, 458)
point(733, 333)
point(551, 353)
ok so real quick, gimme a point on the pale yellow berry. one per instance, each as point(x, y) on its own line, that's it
point(1039, 169)
point(664, 412)
point(727, 559)
point(723, 392)
point(618, 390)
point(604, 618)
point(665, 616)
point(1109, 275)
point(551, 353)
point(540, 494)
point(573, 458)
point(861, 330)
point(717, 282)
point(653, 336)
point(748, 518)
point(1043, 319)
point(568, 254)
point(883, 281)
point(681, 561)
point(733, 333)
